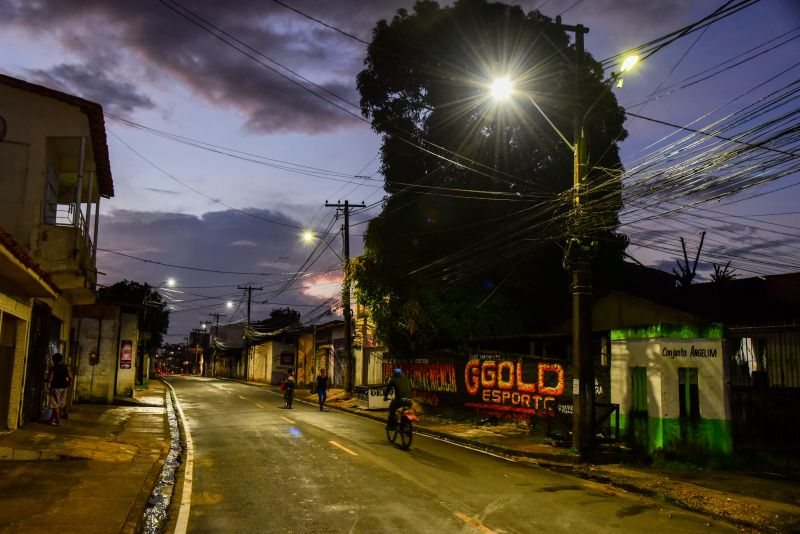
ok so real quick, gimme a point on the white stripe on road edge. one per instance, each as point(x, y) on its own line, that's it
point(182, 523)
point(474, 522)
point(468, 447)
point(243, 398)
point(345, 449)
point(288, 420)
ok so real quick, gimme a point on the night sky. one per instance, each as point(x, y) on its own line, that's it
point(275, 153)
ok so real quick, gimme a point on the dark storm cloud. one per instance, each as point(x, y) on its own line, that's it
point(154, 39)
point(93, 83)
point(224, 241)
point(163, 40)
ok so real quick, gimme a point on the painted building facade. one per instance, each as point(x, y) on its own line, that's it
point(54, 168)
point(21, 282)
point(270, 361)
point(105, 362)
point(670, 384)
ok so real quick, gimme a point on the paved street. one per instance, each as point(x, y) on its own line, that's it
point(259, 467)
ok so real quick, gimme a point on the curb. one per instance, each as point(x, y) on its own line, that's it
point(155, 516)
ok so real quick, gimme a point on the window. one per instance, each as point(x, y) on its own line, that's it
point(638, 390)
point(688, 394)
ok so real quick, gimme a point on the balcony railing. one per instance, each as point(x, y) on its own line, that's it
point(65, 215)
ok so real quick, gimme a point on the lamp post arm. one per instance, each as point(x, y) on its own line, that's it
point(553, 126)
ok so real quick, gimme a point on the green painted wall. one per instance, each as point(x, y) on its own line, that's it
point(682, 437)
point(673, 331)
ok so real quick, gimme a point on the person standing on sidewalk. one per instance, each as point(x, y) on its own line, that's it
point(59, 379)
point(322, 388)
point(288, 393)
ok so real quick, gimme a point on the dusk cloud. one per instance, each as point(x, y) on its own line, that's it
point(160, 38)
point(93, 83)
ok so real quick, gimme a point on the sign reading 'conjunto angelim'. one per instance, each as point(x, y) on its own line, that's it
point(688, 351)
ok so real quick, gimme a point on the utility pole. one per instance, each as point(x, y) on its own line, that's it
point(578, 257)
point(349, 368)
point(246, 347)
point(216, 317)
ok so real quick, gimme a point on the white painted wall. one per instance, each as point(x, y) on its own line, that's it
point(662, 357)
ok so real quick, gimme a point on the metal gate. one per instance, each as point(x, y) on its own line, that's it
point(45, 341)
point(764, 373)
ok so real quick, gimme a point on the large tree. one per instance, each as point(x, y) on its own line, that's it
point(471, 239)
point(154, 315)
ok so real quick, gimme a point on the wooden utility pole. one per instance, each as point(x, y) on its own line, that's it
point(246, 343)
point(349, 367)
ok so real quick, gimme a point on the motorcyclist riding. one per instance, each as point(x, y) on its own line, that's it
point(402, 394)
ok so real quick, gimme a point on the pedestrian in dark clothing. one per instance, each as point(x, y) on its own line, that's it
point(322, 387)
point(59, 378)
point(402, 394)
point(288, 393)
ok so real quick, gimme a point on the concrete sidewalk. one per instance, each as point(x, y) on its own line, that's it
point(94, 473)
point(751, 501)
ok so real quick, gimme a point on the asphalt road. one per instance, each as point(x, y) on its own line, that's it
point(261, 468)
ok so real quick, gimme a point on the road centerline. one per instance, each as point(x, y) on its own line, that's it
point(345, 449)
point(288, 420)
point(474, 522)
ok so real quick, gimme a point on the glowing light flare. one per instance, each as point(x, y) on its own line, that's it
point(628, 63)
point(171, 282)
point(229, 304)
point(501, 89)
point(308, 236)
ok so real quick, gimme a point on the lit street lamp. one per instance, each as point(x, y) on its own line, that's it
point(578, 249)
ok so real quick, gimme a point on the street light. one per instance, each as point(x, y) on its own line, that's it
point(577, 255)
point(309, 237)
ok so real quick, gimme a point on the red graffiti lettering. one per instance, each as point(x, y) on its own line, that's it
point(505, 374)
point(548, 372)
point(471, 380)
point(489, 374)
point(521, 384)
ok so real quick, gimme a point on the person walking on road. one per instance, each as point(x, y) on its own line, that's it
point(59, 379)
point(288, 392)
point(322, 388)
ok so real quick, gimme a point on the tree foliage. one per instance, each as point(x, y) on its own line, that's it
point(280, 318)
point(470, 242)
point(154, 315)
